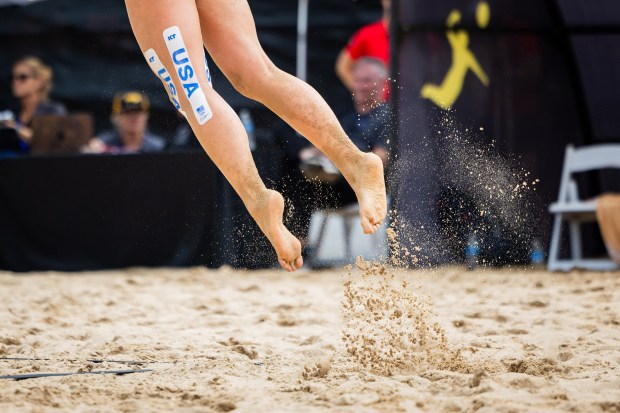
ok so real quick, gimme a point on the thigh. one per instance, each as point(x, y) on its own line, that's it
point(229, 34)
point(149, 19)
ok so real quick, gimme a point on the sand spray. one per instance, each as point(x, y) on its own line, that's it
point(389, 325)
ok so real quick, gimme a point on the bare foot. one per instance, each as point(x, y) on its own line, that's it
point(268, 216)
point(368, 183)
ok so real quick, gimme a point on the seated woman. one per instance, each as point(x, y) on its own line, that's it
point(31, 85)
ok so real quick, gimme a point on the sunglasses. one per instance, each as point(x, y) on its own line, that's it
point(22, 77)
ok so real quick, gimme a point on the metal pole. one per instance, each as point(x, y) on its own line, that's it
point(302, 38)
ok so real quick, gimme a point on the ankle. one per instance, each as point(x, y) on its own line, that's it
point(256, 201)
point(353, 164)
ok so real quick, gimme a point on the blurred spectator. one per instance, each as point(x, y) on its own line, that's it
point(31, 85)
point(368, 126)
point(130, 115)
point(371, 40)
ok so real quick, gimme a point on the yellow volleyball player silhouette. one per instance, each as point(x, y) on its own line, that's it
point(445, 94)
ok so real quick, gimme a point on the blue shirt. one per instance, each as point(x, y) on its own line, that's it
point(370, 130)
point(150, 144)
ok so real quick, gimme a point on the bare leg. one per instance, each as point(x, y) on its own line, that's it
point(230, 36)
point(223, 136)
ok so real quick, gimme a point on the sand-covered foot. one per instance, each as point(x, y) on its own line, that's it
point(269, 219)
point(369, 185)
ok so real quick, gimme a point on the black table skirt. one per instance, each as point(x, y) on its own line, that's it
point(97, 212)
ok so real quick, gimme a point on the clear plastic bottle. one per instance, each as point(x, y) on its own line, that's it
point(537, 254)
point(472, 251)
point(6, 116)
point(250, 128)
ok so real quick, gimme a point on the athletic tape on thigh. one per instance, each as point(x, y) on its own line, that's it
point(160, 71)
point(187, 74)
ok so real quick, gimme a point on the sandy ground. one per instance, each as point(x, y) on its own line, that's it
point(270, 341)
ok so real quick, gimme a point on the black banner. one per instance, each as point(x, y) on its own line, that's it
point(489, 94)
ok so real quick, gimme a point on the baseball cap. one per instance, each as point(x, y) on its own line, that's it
point(130, 101)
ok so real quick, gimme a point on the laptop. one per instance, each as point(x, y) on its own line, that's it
point(60, 134)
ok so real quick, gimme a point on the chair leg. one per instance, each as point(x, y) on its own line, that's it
point(575, 240)
point(347, 237)
point(319, 240)
point(555, 244)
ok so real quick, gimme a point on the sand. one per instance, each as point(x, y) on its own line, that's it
point(269, 341)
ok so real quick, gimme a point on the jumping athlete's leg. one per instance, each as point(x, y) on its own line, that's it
point(168, 33)
point(230, 37)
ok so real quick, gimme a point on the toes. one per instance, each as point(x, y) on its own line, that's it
point(291, 266)
point(370, 227)
point(285, 265)
point(366, 226)
point(377, 219)
point(371, 223)
point(376, 223)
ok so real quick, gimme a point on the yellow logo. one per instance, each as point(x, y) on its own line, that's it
point(445, 94)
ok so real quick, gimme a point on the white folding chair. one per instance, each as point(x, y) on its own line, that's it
point(336, 238)
point(347, 215)
point(575, 211)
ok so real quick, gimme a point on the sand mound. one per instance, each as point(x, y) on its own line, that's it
point(390, 329)
point(389, 326)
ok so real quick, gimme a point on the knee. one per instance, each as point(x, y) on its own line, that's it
point(195, 102)
point(189, 85)
point(190, 99)
point(251, 80)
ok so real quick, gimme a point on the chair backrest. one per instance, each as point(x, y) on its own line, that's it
point(593, 157)
point(584, 159)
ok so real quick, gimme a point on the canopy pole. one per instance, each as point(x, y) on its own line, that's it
point(302, 38)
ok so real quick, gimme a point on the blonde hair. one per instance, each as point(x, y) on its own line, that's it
point(41, 71)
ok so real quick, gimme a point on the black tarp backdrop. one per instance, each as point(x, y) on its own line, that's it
point(553, 73)
point(94, 54)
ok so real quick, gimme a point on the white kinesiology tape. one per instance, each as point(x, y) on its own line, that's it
point(187, 74)
point(160, 71)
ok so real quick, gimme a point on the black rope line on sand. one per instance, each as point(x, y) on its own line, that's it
point(18, 377)
point(88, 360)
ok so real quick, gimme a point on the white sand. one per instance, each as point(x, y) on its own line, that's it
point(271, 341)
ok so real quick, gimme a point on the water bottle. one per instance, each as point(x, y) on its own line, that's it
point(248, 124)
point(472, 251)
point(537, 254)
point(6, 116)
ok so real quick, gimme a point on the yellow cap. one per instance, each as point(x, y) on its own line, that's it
point(130, 101)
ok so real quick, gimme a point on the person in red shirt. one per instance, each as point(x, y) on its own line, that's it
point(370, 41)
